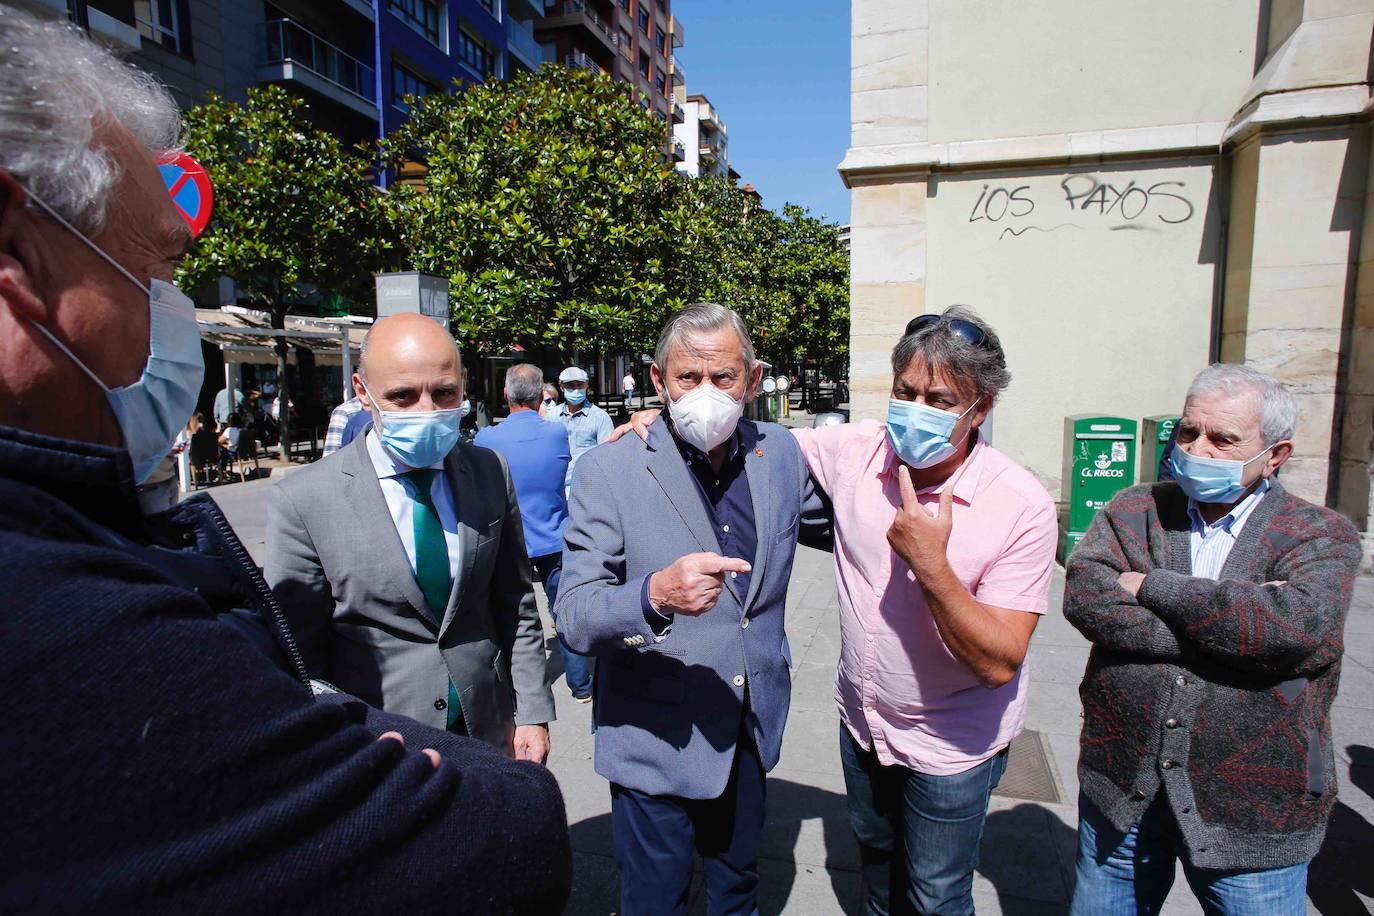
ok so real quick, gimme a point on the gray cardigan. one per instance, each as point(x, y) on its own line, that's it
point(1216, 693)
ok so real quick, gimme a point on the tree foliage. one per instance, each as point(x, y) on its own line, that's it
point(548, 207)
point(293, 207)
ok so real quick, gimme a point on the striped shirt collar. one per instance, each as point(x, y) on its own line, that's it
point(1232, 522)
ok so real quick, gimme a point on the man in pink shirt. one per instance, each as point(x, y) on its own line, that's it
point(944, 550)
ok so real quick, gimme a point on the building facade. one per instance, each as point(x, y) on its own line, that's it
point(704, 138)
point(1127, 192)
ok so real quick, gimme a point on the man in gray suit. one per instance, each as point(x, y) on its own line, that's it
point(678, 553)
point(400, 559)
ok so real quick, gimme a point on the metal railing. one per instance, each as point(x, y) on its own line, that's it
point(580, 7)
point(679, 115)
point(679, 151)
point(282, 41)
point(580, 60)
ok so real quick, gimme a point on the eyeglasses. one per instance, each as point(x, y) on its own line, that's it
point(966, 331)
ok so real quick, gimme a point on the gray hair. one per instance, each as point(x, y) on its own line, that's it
point(695, 320)
point(980, 368)
point(550, 390)
point(1271, 399)
point(58, 90)
point(524, 385)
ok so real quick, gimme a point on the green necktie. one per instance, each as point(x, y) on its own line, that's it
point(431, 558)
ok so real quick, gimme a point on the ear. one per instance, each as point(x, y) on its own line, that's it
point(657, 378)
point(755, 379)
point(980, 413)
point(361, 392)
point(17, 287)
point(1281, 452)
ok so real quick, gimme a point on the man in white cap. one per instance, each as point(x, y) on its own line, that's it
point(588, 425)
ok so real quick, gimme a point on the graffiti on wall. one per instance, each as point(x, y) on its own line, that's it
point(1086, 202)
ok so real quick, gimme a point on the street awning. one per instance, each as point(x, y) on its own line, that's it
point(248, 337)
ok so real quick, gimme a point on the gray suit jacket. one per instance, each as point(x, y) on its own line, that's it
point(668, 712)
point(337, 565)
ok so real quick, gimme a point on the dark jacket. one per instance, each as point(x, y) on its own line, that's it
point(1217, 693)
point(161, 761)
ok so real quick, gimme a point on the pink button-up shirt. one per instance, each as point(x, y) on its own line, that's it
point(899, 689)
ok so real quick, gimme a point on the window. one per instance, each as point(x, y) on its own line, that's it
point(491, 7)
point(476, 55)
point(660, 83)
point(424, 16)
point(661, 40)
point(158, 21)
point(627, 44)
point(644, 19)
point(406, 82)
point(625, 5)
point(644, 64)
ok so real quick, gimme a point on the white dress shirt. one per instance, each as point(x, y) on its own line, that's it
point(1210, 544)
point(400, 503)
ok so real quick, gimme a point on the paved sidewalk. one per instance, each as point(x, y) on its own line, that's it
point(810, 863)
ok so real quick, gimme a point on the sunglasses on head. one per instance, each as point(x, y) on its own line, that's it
point(964, 330)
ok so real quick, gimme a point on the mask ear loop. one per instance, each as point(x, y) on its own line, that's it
point(87, 242)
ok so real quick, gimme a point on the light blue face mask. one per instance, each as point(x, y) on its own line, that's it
point(1210, 480)
point(155, 408)
point(575, 396)
point(920, 434)
point(419, 438)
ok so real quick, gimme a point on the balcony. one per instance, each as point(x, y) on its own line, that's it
point(569, 13)
point(520, 42)
point(287, 51)
point(675, 29)
point(679, 151)
point(579, 60)
point(679, 75)
point(678, 114)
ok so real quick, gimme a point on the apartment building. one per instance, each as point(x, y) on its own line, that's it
point(704, 139)
point(631, 41)
point(354, 61)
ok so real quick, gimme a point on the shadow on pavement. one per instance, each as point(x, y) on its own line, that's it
point(1027, 854)
point(596, 886)
point(1342, 866)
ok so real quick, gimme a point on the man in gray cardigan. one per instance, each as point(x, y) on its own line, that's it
point(1216, 604)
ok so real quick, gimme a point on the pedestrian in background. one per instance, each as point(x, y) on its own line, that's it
point(549, 401)
point(338, 422)
point(1216, 607)
point(538, 457)
point(588, 425)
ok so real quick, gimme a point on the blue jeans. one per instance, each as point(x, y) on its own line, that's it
point(549, 568)
point(1132, 873)
point(918, 834)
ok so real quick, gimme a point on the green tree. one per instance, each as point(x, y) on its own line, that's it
point(549, 208)
point(293, 207)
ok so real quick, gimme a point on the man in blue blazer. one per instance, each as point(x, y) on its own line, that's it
point(678, 553)
point(538, 456)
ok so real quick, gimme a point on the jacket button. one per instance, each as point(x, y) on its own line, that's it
point(1167, 764)
point(739, 680)
point(1181, 681)
point(1171, 723)
point(744, 624)
point(1138, 795)
point(441, 705)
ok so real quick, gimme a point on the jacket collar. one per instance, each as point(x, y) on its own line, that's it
point(96, 480)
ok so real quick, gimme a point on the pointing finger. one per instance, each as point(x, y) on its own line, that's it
point(946, 503)
point(908, 489)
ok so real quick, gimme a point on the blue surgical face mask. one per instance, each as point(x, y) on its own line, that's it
point(920, 434)
point(419, 438)
point(575, 396)
point(1210, 480)
point(153, 409)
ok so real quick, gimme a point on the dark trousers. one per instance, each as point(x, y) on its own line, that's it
point(549, 569)
point(918, 834)
point(655, 836)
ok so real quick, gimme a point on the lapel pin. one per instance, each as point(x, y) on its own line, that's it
point(759, 452)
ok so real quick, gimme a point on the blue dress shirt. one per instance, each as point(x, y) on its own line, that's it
point(538, 457)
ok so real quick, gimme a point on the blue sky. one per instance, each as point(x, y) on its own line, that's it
point(777, 72)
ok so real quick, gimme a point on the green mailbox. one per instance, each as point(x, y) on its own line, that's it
point(1154, 438)
point(1099, 461)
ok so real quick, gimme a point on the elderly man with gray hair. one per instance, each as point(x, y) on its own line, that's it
point(675, 573)
point(1215, 604)
point(168, 752)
